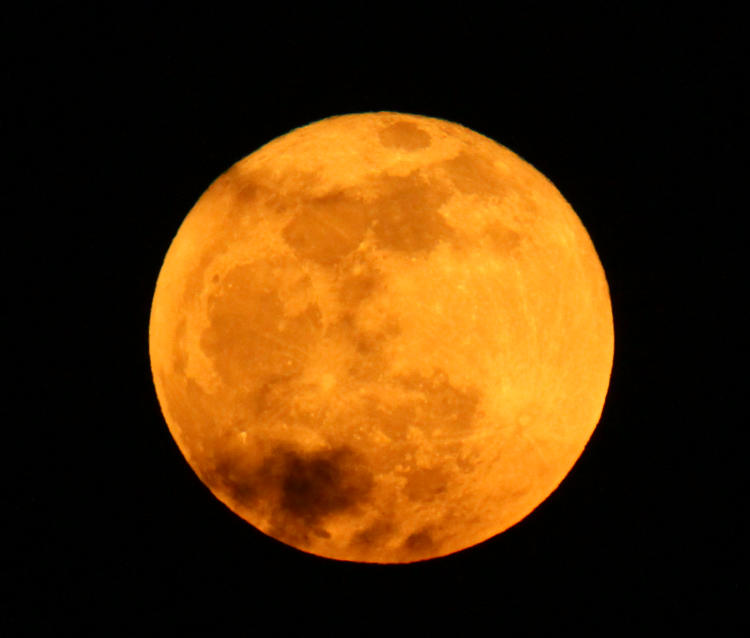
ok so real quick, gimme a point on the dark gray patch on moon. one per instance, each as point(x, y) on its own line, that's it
point(420, 543)
point(321, 483)
point(300, 489)
point(232, 473)
point(404, 217)
point(472, 173)
point(375, 534)
point(503, 240)
point(259, 188)
point(404, 135)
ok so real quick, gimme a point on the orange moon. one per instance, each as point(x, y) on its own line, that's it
point(381, 337)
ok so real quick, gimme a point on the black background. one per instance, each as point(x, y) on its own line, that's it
point(117, 121)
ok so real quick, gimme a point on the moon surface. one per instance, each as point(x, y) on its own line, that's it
point(381, 337)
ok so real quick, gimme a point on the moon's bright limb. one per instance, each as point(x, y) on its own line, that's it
point(381, 337)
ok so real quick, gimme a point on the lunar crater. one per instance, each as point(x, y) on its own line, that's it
point(322, 483)
point(420, 543)
point(374, 535)
point(503, 239)
point(475, 174)
point(404, 135)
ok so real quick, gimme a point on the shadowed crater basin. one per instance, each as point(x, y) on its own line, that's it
point(298, 490)
point(405, 136)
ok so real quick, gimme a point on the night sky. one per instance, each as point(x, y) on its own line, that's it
point(116, 122)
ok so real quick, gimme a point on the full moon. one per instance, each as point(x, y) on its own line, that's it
point(381, 337)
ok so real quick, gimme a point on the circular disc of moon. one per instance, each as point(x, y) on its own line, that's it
point(381, 337)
